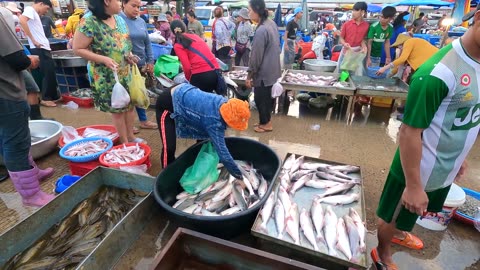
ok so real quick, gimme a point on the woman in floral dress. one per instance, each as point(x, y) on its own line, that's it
point(102, 38)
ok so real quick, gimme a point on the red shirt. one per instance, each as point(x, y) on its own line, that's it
point(354, 33)
point(191, 62)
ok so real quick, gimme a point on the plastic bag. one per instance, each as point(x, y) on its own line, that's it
point(120, 97)
point(70, 134)
point(168, 65)
point(277, 89)
point(137, 169)
point(138, 92)
point(71, 105)
point(203, 172)
point(156, 37)
point(352, 60)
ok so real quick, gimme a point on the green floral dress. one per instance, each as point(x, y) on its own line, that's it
point(113, 43)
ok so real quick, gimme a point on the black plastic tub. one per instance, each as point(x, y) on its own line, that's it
point(167, 186)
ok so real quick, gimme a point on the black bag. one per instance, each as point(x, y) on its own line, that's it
point(221, 88)
point(240, 47)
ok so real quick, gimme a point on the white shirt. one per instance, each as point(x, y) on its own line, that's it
point(36, 28)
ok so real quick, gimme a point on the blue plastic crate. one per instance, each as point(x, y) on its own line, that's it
point(159, 50)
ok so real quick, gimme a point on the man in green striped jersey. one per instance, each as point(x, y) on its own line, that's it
point(440, 126)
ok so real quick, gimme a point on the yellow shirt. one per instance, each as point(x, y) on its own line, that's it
point(416, 51)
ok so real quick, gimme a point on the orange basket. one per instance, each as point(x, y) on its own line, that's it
point(140, 161)
point(80, 131)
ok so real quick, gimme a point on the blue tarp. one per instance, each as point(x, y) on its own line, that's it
point(433, 3)
point(278, 15)
point(374, 8)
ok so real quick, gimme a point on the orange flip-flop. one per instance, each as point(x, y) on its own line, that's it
point(410, 241)
point(378, 264)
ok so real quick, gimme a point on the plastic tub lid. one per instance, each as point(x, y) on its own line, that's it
point(456, 196)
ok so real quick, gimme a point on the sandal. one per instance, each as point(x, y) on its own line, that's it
point(410, 241)
point(136, 130)
point(259, 129)
point(148, 125)
point(378, 264)
point(48, 103)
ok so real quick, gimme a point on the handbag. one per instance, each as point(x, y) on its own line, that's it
point(240, 47)
point(221, 88)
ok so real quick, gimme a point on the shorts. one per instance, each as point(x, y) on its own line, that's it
point(390, 208)
point(30, 83)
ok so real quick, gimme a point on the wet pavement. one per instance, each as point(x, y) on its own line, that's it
point(369, 141)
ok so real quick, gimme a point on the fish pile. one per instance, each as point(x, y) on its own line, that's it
point(227, 195)
point(124, 155)
point(470, 207)
point(86, 148)
point(309, 79)
point(66, 244)
point(94, 132)
point(82, 93)
point(319, 226)
point(238, 74)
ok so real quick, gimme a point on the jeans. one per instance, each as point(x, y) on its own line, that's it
point(47, 68)
point(264, 102)
point(205, 81)
point(166, 126)
point(142, 114)
point(15, 134)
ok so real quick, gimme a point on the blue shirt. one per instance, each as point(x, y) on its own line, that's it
point(142, 47)
point(197, 116)
point(396, 31)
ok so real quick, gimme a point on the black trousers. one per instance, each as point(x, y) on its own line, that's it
point(245, 56)
point(166, 126)
point(264, 102)
point(47, 68)
point(205, 81)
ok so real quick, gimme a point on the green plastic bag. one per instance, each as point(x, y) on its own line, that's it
point(203, 172)
point(167, 65)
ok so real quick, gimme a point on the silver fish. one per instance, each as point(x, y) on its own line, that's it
point(262, 189)
point(313, 166)
point(190, 209)
point(327, 176)
point(293, 223)
point(307, 228)
point(335, 190)
point(253, 204)
point(340, 199)
point(345, 168)
point(231, 211)
point(267, 209)
point(182, 195)
point(285, 198)
point(300, 183)
point(238, 196)
point(205, 212)
point(280, 218)
point(336, 173)
point(285, 181)
point(287, 165)
point(231, 200)
point(318, 218)
point(353, 235)
point(321, 184)
point(206, 196)
point(254, 180)
point(298, 174)
point(343, 244)
point(296, 164)
point(213, 206)
point(360, 226)
point(249, 186)
point(198, 210)
point(223, 193)
point(331, 230)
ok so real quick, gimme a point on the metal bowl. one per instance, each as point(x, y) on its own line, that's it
point(320, 65)
point(45, 135)
point(67, 58)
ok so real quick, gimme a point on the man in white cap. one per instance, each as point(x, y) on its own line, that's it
point(39, 45)
point(290, 38)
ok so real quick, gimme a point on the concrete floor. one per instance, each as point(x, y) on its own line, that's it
point(369, 141)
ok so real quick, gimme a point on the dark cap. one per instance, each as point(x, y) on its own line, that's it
point(360, 6)
point(470, 14)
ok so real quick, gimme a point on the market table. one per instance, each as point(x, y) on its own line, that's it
point(348, 90)
point(393, 88)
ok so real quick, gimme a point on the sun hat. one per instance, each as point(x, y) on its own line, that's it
point(401, 39)
point(13, 7)
point(244, 13)
point(235, 113)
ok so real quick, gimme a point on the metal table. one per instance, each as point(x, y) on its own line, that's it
point(348, 91)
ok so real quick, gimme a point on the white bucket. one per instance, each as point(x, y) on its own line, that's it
point(439, 221)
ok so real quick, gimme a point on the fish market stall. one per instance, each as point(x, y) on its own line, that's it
point(88, 226)
point(238, 74)
point(317, 207)
point(319, 82)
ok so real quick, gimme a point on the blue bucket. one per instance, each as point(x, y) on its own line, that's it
point(159, 50)
point(65, 181)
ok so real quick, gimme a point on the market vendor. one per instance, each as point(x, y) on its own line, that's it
point(185, 111)
point(290, 38)
point(414, 51)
